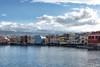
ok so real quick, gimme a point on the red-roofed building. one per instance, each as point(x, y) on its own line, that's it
point(94, 38)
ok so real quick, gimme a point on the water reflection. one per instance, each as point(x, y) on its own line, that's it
point(94, 58)
point(20, 56)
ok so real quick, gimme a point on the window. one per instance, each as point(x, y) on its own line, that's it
point(82, 41)
point(91, 37)
point(98, 37)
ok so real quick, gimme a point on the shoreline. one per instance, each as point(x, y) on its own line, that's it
point(78, 46)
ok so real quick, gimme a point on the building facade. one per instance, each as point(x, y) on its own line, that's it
point(94, 38)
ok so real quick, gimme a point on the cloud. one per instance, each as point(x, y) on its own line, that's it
point(22, 1)
point(4, 15)
point(45, 18)
point(81, 19)
point(13, 26)
point(94, 2)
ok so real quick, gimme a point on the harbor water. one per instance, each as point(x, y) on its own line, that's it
point(44, 56)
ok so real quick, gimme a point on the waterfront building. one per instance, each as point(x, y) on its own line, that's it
point(17, 40)
point(63, 39)
point(94, 38)
point(83, 38)
point(24, 39)
point(31, 39)
point(54, 39)
point(14, 39)
point(47, 40)
point(28, 39)
point(39, 39)
point(73, 38)
point(4, 40)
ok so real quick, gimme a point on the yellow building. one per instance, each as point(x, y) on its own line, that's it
point(62, 40)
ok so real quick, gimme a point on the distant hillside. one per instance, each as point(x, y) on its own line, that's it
point(38, 32)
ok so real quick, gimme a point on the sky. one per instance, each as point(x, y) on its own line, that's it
point(50, 15)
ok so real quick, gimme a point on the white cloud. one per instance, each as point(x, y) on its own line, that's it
point(83, 16)
point(72, 1)
point(85, 19)
point(22, 1)
point(45, 18)
point(13, 26)
point(4, 15)
point(30, 27)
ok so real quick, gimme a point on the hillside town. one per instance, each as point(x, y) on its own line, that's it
point(90, 40)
